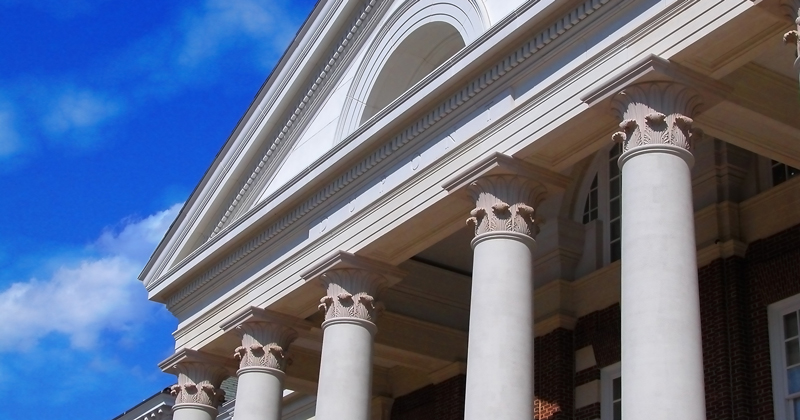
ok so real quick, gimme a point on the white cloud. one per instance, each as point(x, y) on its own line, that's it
point(79, 110)
point(87, 298)
point(223, 23)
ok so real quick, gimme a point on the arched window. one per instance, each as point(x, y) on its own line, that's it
point(602, 199)
point(417, 56)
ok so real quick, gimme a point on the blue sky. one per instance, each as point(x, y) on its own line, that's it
point(110, 112)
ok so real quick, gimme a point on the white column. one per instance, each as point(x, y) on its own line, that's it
point(263, 358)
point(662, 355)
point(197, 394)
point(345, 377)
point(792, 11)
point(500, 350)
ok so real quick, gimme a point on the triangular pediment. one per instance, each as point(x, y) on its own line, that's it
point(318, 95)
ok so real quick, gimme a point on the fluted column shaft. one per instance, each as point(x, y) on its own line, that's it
point(263, 359)
point(198, 394)
point(662, 357)
point(345, 377)
point(500, 348)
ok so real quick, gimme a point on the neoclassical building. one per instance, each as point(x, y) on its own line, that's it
point(485, 209)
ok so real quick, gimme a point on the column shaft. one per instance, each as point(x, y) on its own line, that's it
point(500, 352)
point(662, 355)
point(500, 349)
point(259, 394)
point(345, 377)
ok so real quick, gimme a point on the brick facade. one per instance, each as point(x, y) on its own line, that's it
point(443, 401)
point(734, 295)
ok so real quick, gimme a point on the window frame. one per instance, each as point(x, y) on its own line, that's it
point(598, 167)
point(607, 376)
point(775, 313)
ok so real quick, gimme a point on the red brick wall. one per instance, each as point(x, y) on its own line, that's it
point(554, 364)
point(443, 401)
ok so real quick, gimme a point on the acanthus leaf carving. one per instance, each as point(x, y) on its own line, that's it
point(198, 383)
point(656, 113)
point(513, 201)
point(264, 344)
point(354, 291)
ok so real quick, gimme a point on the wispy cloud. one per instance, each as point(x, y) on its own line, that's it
point(89, 297)
point(76, 112)
point(222, 24)
point(10, 140)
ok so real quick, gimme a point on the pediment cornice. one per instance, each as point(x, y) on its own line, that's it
point(326, 177)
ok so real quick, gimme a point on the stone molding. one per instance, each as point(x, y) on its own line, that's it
point(656, 113)
point(505, 203)
point(199, 377)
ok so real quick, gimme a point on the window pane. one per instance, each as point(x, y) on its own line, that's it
point(594, 183)
point(586, 207)
point(792, 352)
point(614, 188)
point(615, 208)
point(797, 409)
point(586, 218)
point(613, 168)
point(793, 376)
point(790, 325)
point(617, 385)
point(616, 251)
point(615, 229)
point(593, 197)
point(594, 214)
point(618, 410)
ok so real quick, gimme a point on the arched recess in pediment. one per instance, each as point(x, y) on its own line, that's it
point(417, 38)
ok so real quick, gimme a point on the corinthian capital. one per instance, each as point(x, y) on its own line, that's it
point(656, 113)
point(505, 203)
point(199, 377)
point(351, 294)
point(264, 344)
point(352, 284)
point(266, 336)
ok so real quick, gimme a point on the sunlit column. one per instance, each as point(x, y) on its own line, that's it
point(263, 356)
point(662, 355)
point(345, 377)
point(500, 350)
